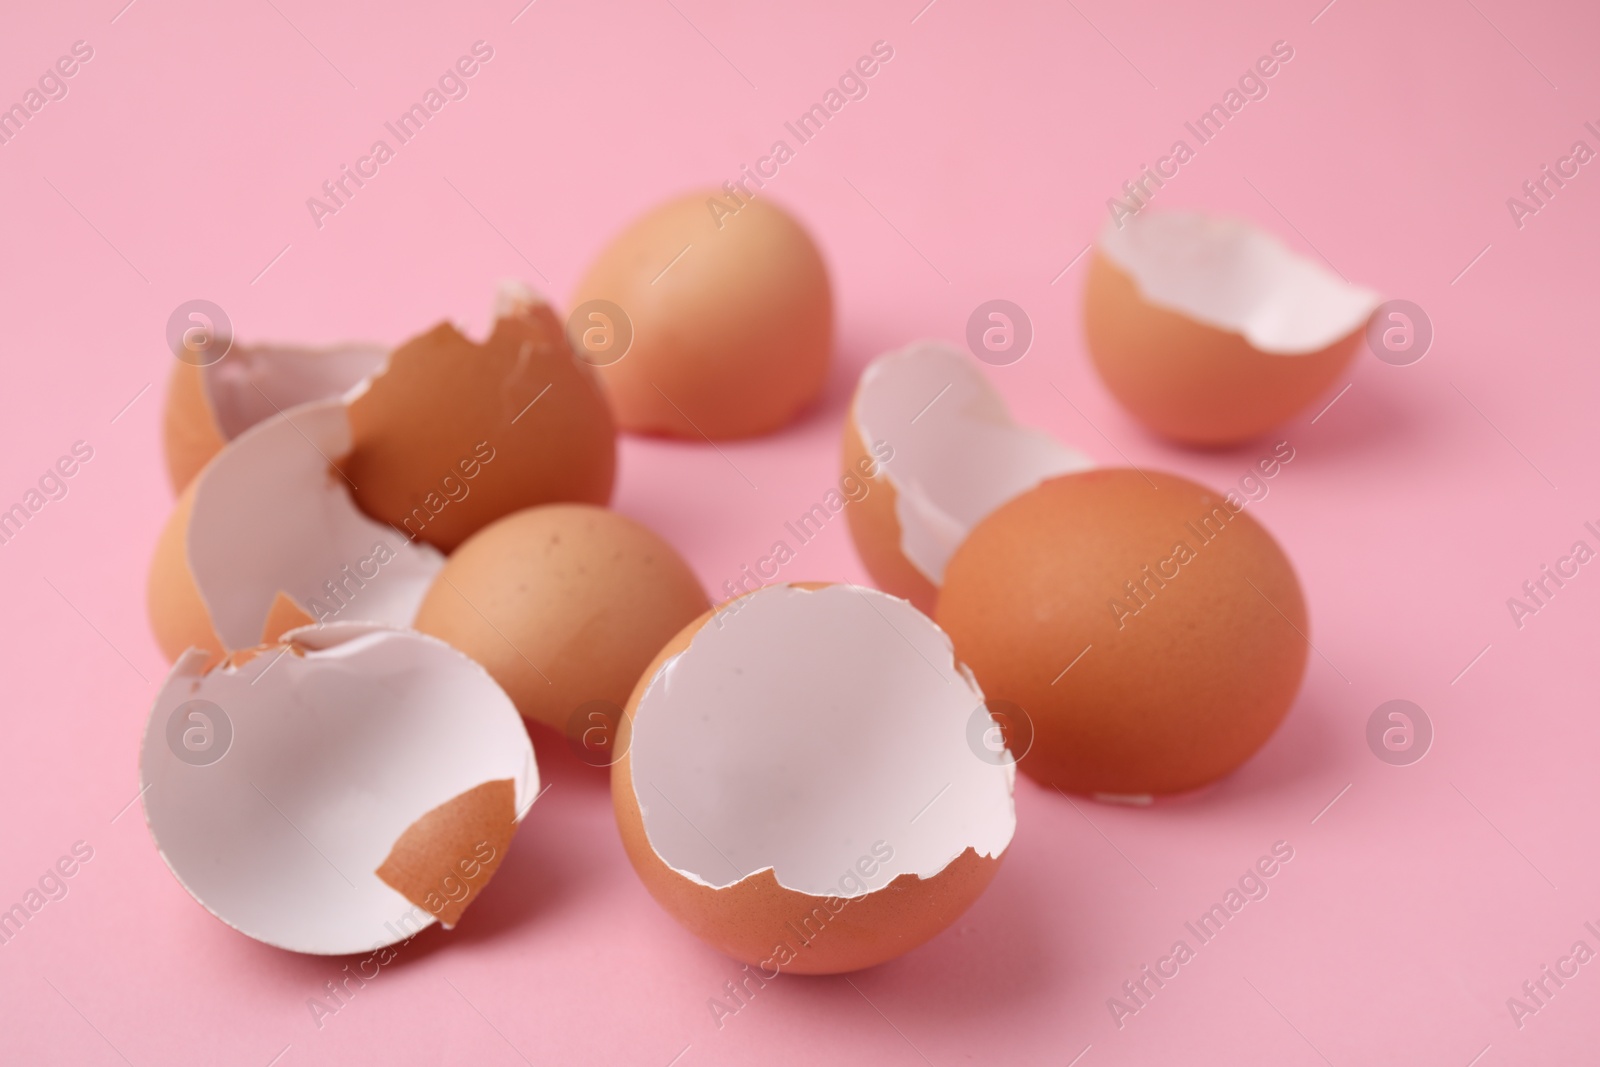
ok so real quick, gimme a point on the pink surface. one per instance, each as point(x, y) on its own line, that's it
point(978, 166)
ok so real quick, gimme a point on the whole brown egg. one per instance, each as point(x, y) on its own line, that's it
point(1153, 633)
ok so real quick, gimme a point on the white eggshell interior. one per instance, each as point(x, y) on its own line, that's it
point(1231, 275)
point(253, 382)
point(336, 751)
point(512, 296)
point(956, 458)
point(270, 514)
point(803, 728)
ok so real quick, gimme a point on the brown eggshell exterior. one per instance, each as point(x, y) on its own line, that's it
point(733, 340)
point(875, 527)
point(178, 616)
point(749, 919)
point(587, 595)
point(441, 394)
point(189, 433)
point(426, 860)
point(1191, 382)
point(1184, 691)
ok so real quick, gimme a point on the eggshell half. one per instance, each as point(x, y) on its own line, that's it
point(563, 604)
point(452, 434)
point(1211, 331)
point(271, 515)
point(943, 452)
point(797, 786)
point(1153, 632)
point(336, 793)
point(209, 406)
point(732, 318)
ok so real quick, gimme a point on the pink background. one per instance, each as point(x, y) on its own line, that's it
point(1413, 907)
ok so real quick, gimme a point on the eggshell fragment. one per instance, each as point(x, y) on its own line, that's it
point(336, 793)
point(425, 863)
point(732, 318)
point(944, 452)
point(271, 515)
point(209, 406)
point(562, 604)
point(797, 787)
point(1153, 633)
point(452, 434)
point(1212, 331)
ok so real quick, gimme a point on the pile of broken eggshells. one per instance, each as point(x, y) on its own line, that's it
point(382, 561)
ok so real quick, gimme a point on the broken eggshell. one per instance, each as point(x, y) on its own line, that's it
point(797, 786)
point(731, 312)
point(208, 406)
point(939, 450)
point(453, 434)
point(267, 537)
point(338, 792)
point(1212, 331)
